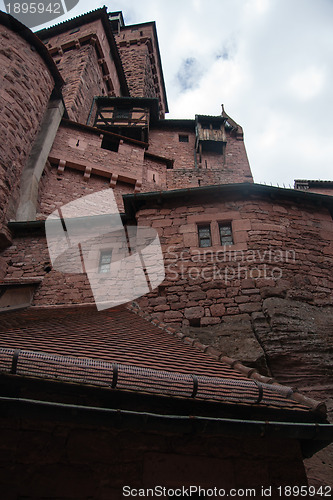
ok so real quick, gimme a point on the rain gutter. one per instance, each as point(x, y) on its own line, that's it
point(313, 436)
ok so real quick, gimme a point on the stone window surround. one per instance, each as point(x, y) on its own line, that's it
point(240, 228)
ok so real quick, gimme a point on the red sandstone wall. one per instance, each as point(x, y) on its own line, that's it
point(61, 189)
point(96, 168)
point(279, 248)
point(276, 253)
point(236, 160)
point(25, 88)
point(227, 168)
point(154, 177)
point(166, 143)
point(138, 52)
point(84, 81)
point(86, 167)
point(57, 287)
point(85, 62)
point(138, 71)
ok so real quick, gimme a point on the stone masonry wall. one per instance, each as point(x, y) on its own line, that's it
point(135, 59)
point(266, 300)
point(86, 64)
point(184, 178)
point(279, 248)
point(138, 51)
point(25, 88)
point(166, 143)
point(230, 167)
point(56, 287)
point(84, 462)
point(61, 189)
point(84, 81)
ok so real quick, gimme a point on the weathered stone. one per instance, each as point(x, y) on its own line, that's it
point(297, 338)
point(217, 309)
point(233, 337)
point(194, 312)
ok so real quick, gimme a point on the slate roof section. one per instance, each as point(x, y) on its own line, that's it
point(79, 344)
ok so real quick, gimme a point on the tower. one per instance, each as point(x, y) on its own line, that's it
point(213, 340)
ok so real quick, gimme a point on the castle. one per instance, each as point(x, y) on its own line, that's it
point(221, 374)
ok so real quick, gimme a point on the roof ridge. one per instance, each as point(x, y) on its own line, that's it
point(80, 16)
point(251, 373)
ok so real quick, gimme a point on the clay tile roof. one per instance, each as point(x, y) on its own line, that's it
point(81, 345)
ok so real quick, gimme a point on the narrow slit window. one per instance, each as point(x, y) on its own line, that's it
point(105, 261)
point(205, 238)
point(226, 233)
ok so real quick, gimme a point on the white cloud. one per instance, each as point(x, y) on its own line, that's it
point(307, 83)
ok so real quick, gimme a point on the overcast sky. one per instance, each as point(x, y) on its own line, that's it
point(270, 62)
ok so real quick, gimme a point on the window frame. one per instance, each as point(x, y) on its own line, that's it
point(229, 238)
point(101, 265)
point(203, 226)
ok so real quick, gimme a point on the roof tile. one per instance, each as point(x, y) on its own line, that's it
point(82, 345)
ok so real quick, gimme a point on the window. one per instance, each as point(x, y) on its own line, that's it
point(110, 143)
point(183, 138)
point(205, 239)
point(122, 113)
point(226, 233)
point(105, 261)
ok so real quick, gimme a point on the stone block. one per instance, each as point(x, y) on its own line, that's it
point(194, 312)
point(217, 309)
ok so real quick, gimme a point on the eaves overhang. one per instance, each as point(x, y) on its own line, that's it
point(312, 436)
point(128, 102)
point(313, 183)
point(210, 118)
point(135, 202)
point(98, 131)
